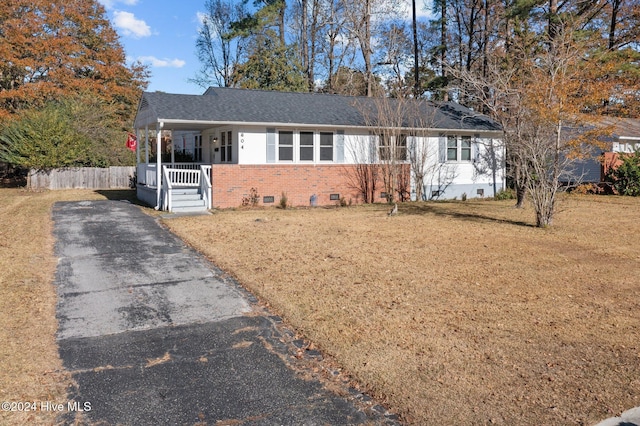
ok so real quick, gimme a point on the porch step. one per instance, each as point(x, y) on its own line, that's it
point(191, 206)
point(185, 191)
point(189, 209)
point(187, 200)
point(188, 203)
point(186, 197)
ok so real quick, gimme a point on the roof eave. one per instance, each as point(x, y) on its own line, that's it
point(214, 123)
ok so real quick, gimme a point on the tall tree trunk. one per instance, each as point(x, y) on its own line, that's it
point(332, 35)
point(283, 9)
point(471, 31)
point(519, 182)
point(615, 7)
point(506, 37)
point(416, 67)
point(366, 48)
point(553, 19)
point(313, 33)
point(443, 46)
point(521, 195)
point(304, 38)
point(485, 59)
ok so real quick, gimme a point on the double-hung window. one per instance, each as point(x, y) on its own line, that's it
point(326, 146)
point(393, 148)
point(285, 145)
point(384, 149)
point(401, 148)
point(458, 148)
point(306, 146)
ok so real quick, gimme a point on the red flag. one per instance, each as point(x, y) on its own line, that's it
point(132, 141)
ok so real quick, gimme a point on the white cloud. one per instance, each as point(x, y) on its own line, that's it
point(201, 17)
point(162, 63)
point(108, 4)
point(130, 25)
point(422, 12)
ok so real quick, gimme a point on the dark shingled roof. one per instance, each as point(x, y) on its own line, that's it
point(232, 105)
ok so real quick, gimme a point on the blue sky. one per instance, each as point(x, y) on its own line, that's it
point(161, 34)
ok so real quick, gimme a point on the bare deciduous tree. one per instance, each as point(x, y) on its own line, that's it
point(390, 120)
point(440, 177)
point(535, 95)
point(402, 152)
point(217, 52)
point(364, 19)
point(363, 176)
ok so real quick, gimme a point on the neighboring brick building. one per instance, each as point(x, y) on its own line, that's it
point(309, 146)
point(614, 136)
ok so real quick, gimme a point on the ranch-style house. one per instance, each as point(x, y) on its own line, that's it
point(257, 145)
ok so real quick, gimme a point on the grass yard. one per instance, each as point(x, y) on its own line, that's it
point(451, 313)
point(454, 313)
point(30, 368)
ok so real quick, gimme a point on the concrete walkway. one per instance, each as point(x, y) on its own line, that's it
point(628, 418)
point(154, 334)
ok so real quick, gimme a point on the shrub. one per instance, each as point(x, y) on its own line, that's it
point(72, 132)
point(252, 199)
point(283, 201)
point(625, 178)
point(44, 139)
point(587, 189)
point(506, 194)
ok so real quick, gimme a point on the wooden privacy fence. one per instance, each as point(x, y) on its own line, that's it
point(83, 177)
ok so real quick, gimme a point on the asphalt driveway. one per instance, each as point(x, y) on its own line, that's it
point(154, 334)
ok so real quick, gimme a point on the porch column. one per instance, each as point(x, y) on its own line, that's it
point(146, 143)
point(159, 164)
point(173, 151)
point(137, 146)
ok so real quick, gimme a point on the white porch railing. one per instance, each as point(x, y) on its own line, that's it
point(167, 189)
point(180, 178)
point(146, 173)
point(185, 166)
point(205, 184)
point(177, 175)
point(183, 177)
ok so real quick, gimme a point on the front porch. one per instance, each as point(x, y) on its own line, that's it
point(184, 187)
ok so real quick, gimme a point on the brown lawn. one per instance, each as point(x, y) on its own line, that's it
point(454, 313)
point(449, 312)
point(30, 368)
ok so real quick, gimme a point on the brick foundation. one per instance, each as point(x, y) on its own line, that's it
point(232, 182)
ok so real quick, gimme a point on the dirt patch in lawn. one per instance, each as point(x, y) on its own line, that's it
point(454, 313)
point(30, 368)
